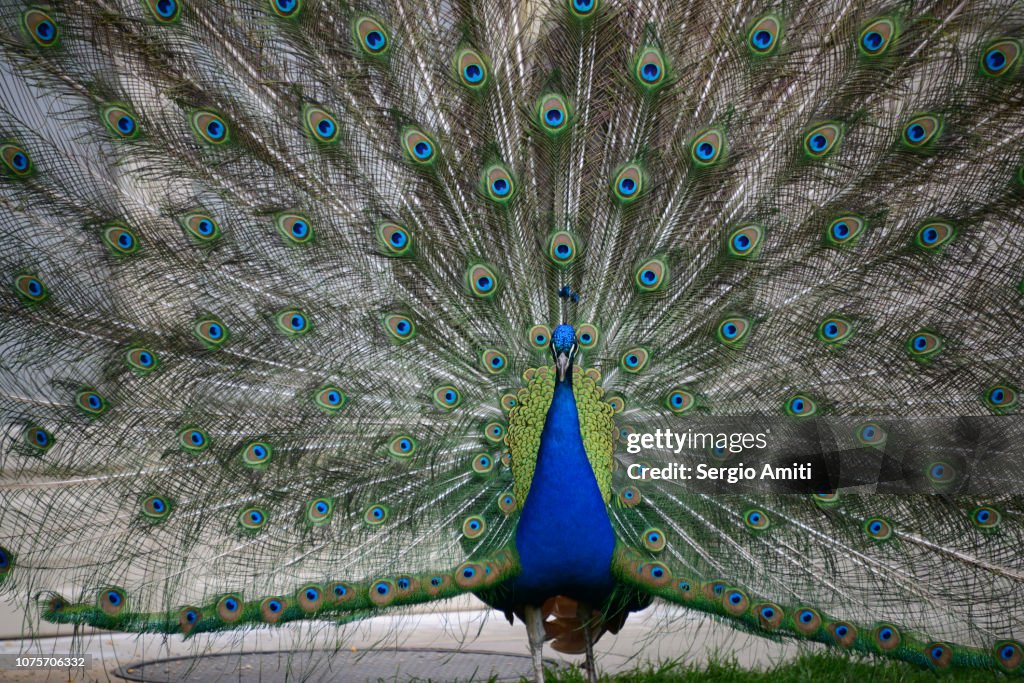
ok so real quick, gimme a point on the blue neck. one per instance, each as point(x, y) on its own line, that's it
point(564, 537)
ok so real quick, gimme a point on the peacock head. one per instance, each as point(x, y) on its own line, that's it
point(563, 349)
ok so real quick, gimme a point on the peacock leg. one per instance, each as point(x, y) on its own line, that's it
point(535, 634)
point(586, 616)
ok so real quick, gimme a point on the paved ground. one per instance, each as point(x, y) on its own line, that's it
point(657, 634)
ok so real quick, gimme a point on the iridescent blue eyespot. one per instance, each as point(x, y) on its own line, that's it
point(473, 73)
point(627, 186)
point(423, 150)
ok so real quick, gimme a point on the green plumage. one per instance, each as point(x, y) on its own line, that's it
point(283, 278)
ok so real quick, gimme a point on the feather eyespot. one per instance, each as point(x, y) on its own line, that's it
point(562, 248)
point(482, 281)
point(473, 527)
point(252, 519)
point(30, 288)
point(495, 362)
point(16, 161)
point(119, 121)
point(309, 597)
point(587, 335)
point(764, 36)
point(986, 517)
point(733, 331)
point(164, 11)
point(845, 230)
point(745, 241)
point(756, 520)
point(402, 447)
point(629, 496)
point(286, 9)
point(509, 401)
point(835, 330)
point(921, 131)
point(271, 609)
point(447, 397)
point(471, 68)
point(654, 540)
point(371, 36)
point(319, 123)
point(735, 601)
point(193, 439)
point(90, 401)
point(111, 601)
point(210, 127)
point(376, 515)
point(878, 529)
point(844, 634)
point(41, 27)
point(483, 464)
point(187, 619)
point(924, 345)
point(497, 183)
point(507, 503)
point(940, 474)
point(400, 327)
point(582, 9)
point(650, 69)
point(1009, 654)
point(319, 511)
point(418, 146)
point(769, 616)
point(801, 405)
point(553, 114)
point(200, 226)
point(933, 235)
point(634, 360)
point(874, 40)
point(293, 322)
point(886, 637)
point(1001, 398)
point(823, 139)
point(330, 398)
point(538, 337)
point(494, 432)
point(680, 401)
point(257, 455)
point(120, 240)
point(628, 184)
point(230, 608)
point(871, 434)
point(39, 438)
point(651, 275)
point(1000, 57)
point(296, 228)
point(211, 331)
point(396, 240)
point(807, 621)
point(708, 148)
point(156, 508)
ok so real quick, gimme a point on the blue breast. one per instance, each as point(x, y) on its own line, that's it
point(564, 537)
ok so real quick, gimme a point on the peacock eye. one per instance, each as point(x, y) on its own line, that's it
point(419, 148)
point(707, 148)
point(763, 37)
point(402, 446)
point(471, 68)
point(193, 439)
point(733, 331)
point(293, 322)
point(375, 515)
point(16, 161)
point(634, 360)
point(494, 361)
point(801, 405)
point(920, 131)
point(294, 227)
point(1000, 57)
point(90, 401)
point(745, 241)
point(41, 27)
point(211, 331)
point(835, 330)
point(200, 226)
point(933, 235)
point(447, 397)
point(141, 359)
point(120, 239)
point(650, 69)
point(164, 11)
point(628, 183)
point(823, 139)
point(210, 127)
point(680, 401)
point(553, 113)
point(538, 336)
point(482, 280)
point(319, 124)
point(498, 184)
point(286, 8)
point(845, 230)
point(252, 518)
point(876, 37)
point(119, 121)
point(651, 275)
point(473, 527)
point(371, 36)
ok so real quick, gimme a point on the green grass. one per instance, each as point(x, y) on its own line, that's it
point(808, 667)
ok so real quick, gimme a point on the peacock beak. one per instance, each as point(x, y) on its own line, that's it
point(562, 362)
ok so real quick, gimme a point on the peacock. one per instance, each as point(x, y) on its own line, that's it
point(316, 309)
